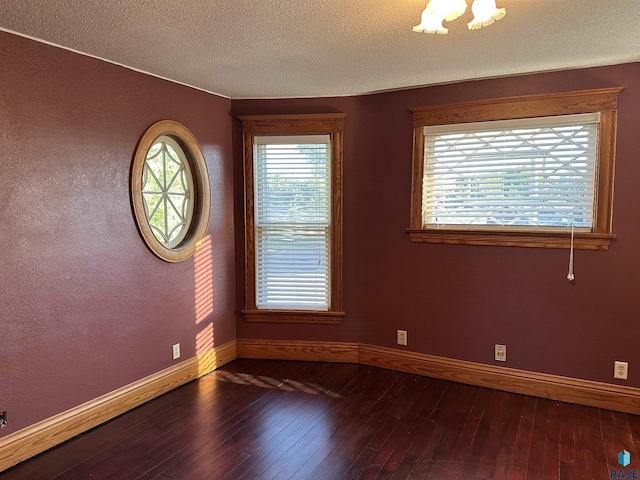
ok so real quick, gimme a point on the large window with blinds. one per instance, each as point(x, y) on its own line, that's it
point(293, 218)
point(535, 172)
point(538, 179)
point(292, 194)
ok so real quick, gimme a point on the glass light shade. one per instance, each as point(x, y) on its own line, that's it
point(485, 13)
point(438, 11)
point(453, 9)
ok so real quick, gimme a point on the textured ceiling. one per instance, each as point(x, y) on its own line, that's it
point(280, 48)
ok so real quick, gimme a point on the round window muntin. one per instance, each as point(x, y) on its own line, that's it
point(183, 175)
point(191, 237)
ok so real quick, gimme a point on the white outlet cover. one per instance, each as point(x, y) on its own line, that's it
point(402, 337)
point(620, 370)
point(176, 351)
point(501, 353)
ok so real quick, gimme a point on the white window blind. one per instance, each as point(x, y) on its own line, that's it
point(292, 192)
point(534, 172)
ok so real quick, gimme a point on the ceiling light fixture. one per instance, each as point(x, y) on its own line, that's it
point(485, 13)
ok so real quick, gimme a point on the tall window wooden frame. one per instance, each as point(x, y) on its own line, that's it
point(602, 101)
point(304, 124)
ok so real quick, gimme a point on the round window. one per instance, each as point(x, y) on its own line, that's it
point(170, 191)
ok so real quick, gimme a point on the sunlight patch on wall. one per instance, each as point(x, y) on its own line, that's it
point(203, 275)
point(203, 278)
point(204, 339)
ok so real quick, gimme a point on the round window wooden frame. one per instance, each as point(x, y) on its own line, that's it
point(201, 190)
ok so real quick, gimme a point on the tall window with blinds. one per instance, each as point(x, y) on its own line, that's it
point(529, 173)
point(292, 192)
point(293, 218)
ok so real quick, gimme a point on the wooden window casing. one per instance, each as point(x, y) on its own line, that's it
point(603, 101)
point(198, 222)
point(316, 124)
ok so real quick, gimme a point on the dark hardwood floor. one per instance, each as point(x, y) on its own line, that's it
point(279, 420)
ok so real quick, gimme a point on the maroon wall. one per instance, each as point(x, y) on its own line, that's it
point(455, 300)
point(86, 308)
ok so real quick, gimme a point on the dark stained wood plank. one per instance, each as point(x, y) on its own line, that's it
point(520, 458)
point(493, 441)
point(567, 432)
point(535, 465)
point(551, 460)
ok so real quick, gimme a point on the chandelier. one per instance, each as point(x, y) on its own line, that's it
point(485, 13)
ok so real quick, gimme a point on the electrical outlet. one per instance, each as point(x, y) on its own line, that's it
point(402, 337)
point(3, 419)
point(501, 353)
point(176, 351)
point(620, 370)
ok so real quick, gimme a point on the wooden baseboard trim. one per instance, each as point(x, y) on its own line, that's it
point(37, 438)
point(30, 441)
point(339, 352)
point(554, 387)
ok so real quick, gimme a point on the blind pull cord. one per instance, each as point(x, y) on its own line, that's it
point(570, 275)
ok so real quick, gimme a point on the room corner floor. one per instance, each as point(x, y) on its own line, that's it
point(279, 420)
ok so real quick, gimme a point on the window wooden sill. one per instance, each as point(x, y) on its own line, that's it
point(539, 239)
point(289, 316)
